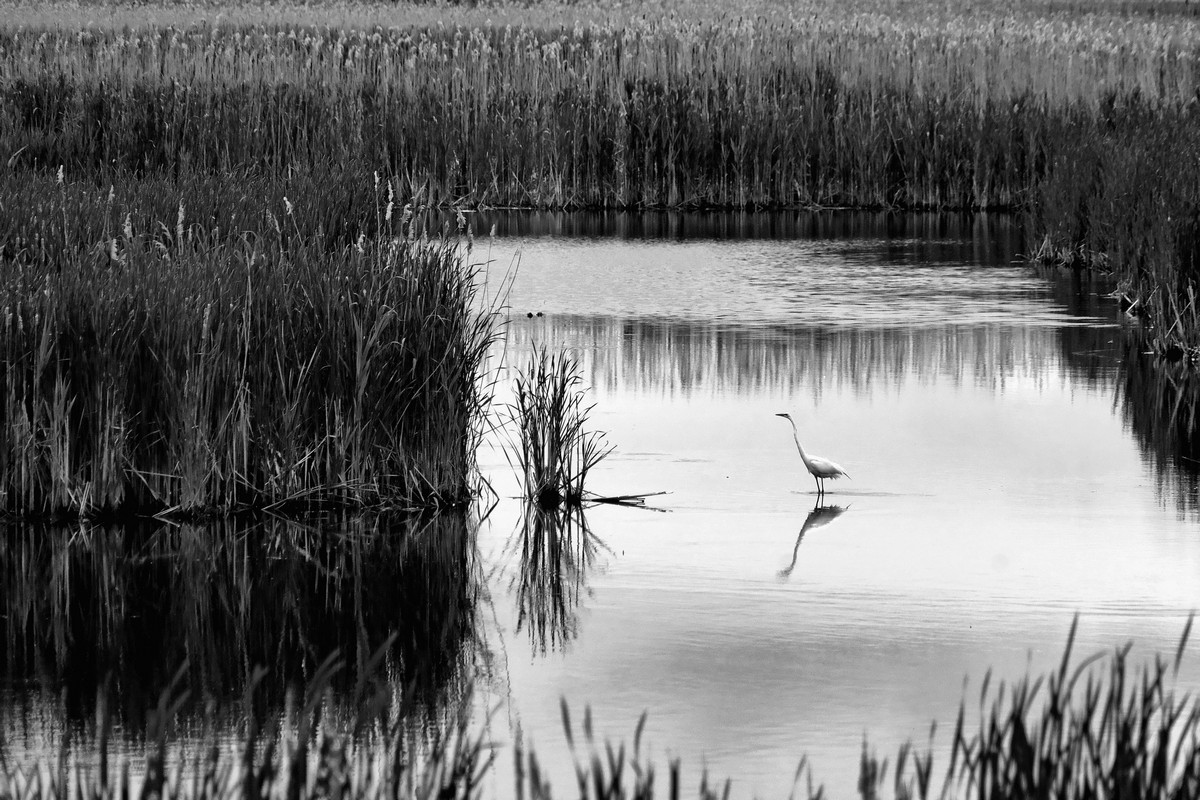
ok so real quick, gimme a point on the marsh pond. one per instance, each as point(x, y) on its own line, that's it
point(1013, 462)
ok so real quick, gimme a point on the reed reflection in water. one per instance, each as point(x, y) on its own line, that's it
point(554, 550)
point(976, 238)
point(670, 358)
point(1161, 404)
point(124, 607)
point(870, 271)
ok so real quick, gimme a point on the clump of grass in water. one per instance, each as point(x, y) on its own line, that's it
point(554, 450)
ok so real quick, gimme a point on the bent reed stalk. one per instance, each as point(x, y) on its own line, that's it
point(180, 370)
point(1102, 727)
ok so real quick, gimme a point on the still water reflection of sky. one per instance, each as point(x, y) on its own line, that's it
point(996, 492)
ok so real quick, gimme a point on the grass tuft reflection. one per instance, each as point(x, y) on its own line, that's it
point(556, 550)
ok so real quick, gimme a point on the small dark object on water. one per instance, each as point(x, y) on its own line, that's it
point(539, 313)
point(1172, 352)
point(548, 497)
point(529, 314)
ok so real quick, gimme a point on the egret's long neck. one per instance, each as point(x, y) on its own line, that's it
point(800, 447)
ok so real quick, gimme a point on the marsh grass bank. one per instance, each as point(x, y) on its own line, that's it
point(1081, 113)
point(1101, 726)
point(175, 368)
point(833, 107)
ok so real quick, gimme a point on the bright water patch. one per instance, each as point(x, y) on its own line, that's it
point(996, 492)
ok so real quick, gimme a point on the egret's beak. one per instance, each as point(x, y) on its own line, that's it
point(785, 416)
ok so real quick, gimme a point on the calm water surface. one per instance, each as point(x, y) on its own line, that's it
point(997, 488)
point(1014, 464)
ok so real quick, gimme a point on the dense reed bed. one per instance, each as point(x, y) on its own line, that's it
point(1082, 113)
point(1103, 726)
point(841, 108)
point(174, 368)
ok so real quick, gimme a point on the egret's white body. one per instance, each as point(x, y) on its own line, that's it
point(820, 468)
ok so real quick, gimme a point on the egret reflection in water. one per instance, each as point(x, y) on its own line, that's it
point(555, 550)
point(819, 516)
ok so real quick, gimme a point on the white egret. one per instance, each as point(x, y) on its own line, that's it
point(819, 468)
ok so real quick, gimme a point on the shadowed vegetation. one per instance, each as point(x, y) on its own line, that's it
point(1161, 405)
point(1102, 727)
point(373, 749)
point(179, 369)
point(92, 606)
point(1118, 730)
